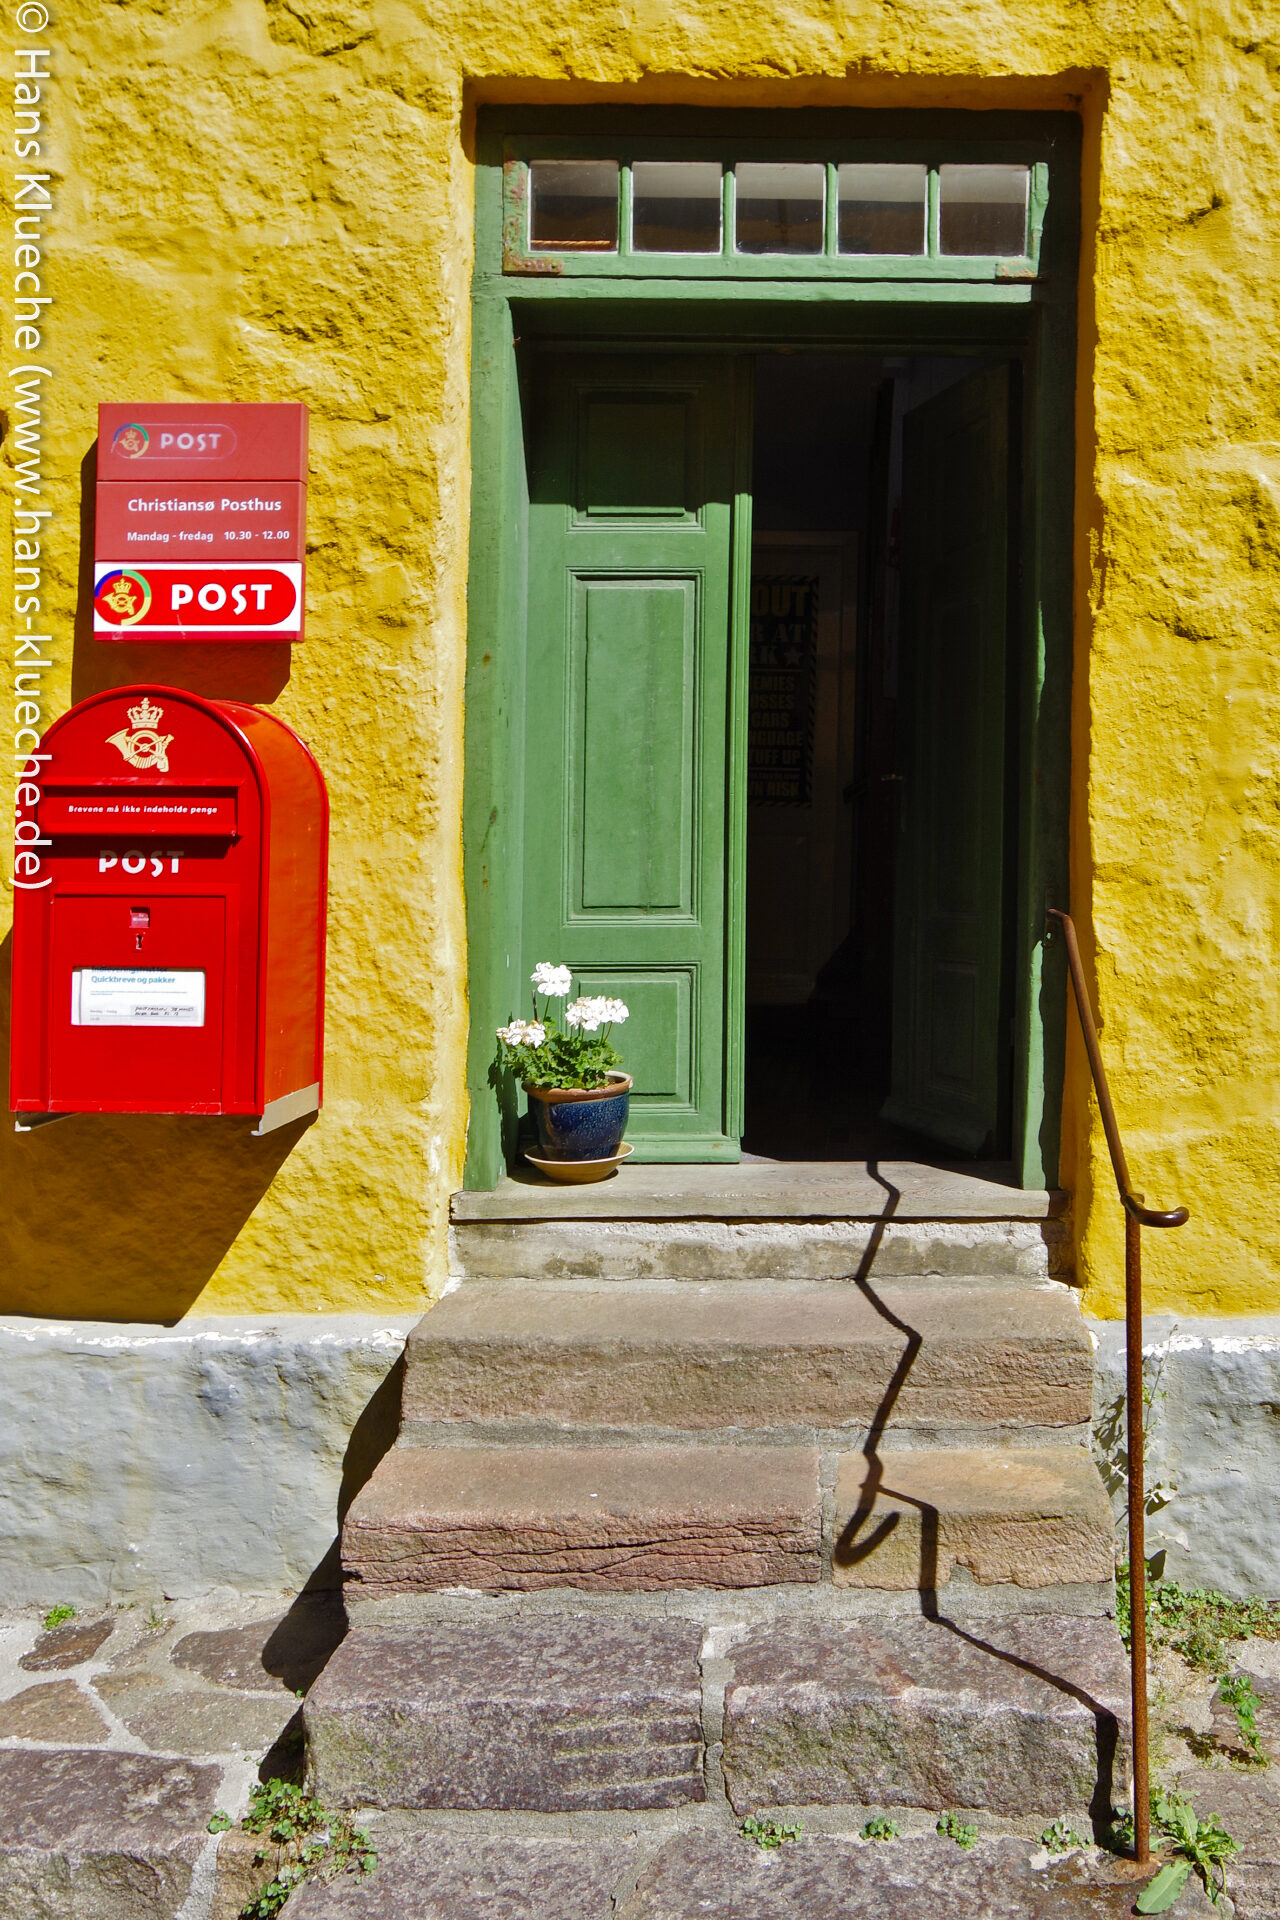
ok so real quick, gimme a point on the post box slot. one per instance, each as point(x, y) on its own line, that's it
point(105, 812)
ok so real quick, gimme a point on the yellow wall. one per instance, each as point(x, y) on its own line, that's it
point(273, 201)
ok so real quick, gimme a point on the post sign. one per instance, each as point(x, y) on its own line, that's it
point(201, 522)
point(784, 659)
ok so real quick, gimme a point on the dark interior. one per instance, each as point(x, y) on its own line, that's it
point(827, 460)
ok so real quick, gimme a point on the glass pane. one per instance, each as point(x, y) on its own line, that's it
point(676, 206)
point(983, 210)
point(575, 205)
point(780, 206)
point(882, 209)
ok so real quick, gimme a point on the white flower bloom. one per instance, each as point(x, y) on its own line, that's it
point(615, 1011)
point(586, 1012)
point(552, 980)
point(523, 1033)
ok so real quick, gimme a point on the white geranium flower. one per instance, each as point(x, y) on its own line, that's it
point(523, 1033)
point(615, 1012)
point(552, 980)
point(586, 1012)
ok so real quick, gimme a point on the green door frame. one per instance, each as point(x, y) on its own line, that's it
point(1030, 318)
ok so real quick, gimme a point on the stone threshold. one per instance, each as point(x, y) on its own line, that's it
point(756, 1189)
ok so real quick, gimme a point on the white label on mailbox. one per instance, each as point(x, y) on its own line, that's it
point(136, 997)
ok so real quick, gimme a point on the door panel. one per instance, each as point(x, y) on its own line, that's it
point(949, 1051)
point(627, 838)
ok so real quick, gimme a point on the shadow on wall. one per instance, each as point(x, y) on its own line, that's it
point(123, 1217)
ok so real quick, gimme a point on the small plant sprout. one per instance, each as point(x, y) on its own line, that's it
point(1236, 1690)
point(1060, 1836)
point(309, 1843)
point(219, 1820)
point(881, 1827)
point(577, 1054)
point(769, 1833)
point(58, 1617)
point(1204, 1845)
point(952, 1827)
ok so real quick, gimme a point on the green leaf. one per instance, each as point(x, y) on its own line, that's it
point(1159, 1894)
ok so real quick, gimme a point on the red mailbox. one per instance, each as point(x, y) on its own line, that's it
point(171, 957)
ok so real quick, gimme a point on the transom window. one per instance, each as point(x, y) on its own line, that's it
point(698, 212)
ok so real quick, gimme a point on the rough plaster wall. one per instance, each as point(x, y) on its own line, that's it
point(272, 200)
point(1213, 1464)
point(138, 1462)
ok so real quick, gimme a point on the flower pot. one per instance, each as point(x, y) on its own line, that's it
point(576, 1123)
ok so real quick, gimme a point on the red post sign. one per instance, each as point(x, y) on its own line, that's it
point(201, 522)
point(172, 960)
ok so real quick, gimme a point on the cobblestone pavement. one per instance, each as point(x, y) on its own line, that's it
point(122, 1732)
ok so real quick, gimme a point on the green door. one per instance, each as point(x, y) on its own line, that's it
point(633, 831)
point(949, 1057)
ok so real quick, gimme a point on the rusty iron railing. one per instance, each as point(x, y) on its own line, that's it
point(1136, 1216)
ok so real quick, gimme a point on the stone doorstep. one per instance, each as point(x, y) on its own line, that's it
point(697, 1356)
point(718, 1875)
point(1018, 1716)
point(558, 1713)
point(106, 1836)
point(1035, 1517)
point(647, 1518)
point(595, 1712)
point(771, 1190)
point(990, 1251)
point(602, 1518)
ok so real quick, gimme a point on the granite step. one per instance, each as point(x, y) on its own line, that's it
point(799, 1357)
point(597, 1711)
point(663, 1518)
point(602, 1519)
point(1030, 1517)
point(429, 1873)
point(995, 1251)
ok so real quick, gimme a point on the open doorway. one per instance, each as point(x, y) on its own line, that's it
point(879, 757)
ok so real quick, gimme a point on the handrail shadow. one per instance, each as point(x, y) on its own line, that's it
point(860, 1537)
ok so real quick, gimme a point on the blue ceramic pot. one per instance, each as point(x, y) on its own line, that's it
point(574, 1124)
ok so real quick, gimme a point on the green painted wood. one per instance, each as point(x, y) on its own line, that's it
point(1034, 321)
point(633, 478)
point(950, 1058)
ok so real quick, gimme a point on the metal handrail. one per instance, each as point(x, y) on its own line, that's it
point(1137, 1216)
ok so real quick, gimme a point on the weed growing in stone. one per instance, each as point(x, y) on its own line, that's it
point(58, 1617)
point(1236, 1690)
point(219, 1820)
point(1202, 1845)
point(1197, 1622)
point(310, 1844)
point(880, 1827)
point(1060, 1836)
point(155, 1621)
point(952, 1827)
point(769, 1833)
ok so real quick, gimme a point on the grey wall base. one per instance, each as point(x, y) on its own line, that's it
point(1213, 1465)
point(143, 1461)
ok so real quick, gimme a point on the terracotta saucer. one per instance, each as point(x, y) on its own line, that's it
point(577, 1173)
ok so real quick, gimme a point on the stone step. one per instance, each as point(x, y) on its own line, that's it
point(1022, 1714)
point(553, 1714)
point(799, 1356)
point(568, 1713)
point(655, 1518)
point(1028, 1516)
point(426, 1872)
point(783, 1249)
point(600, 1519)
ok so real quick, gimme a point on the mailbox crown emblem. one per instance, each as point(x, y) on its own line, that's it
point(144, 747)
